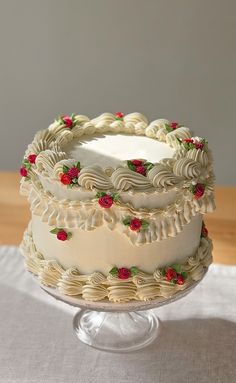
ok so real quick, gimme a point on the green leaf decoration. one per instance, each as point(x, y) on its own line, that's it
point(126, 221)
point(115, 197)
point(100, 194)
point(189, 145)
point(179, 140)
point(65, 169)
point(27, 166)
point(168, 128)
point(148, 165)
point(134, 271)
point(184, 274)
point(77, 165)
point(176, 267)
point(131, 166)
point(69, 235)
point(75, 180)
point(162, 271)
point(114, 271)
point(145, 224)
point(70, 186)
point(54, 231)
point(192, 188)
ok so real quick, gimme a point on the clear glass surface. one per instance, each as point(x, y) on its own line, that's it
point(117, 327)
point(116, 332)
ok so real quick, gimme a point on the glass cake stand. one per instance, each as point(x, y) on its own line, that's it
point(117, 327)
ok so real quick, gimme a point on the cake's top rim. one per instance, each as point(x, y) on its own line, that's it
point(45, 158)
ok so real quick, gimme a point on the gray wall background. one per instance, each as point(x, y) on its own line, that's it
point(164, 58)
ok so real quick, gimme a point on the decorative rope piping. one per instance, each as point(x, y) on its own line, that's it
point(88, 215)
point(185, 166)
point(121, 285)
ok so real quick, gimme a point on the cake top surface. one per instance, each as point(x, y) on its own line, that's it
point(113, 149)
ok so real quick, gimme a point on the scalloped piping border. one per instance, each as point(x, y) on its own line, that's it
point(96, 287)
point(51, 153)
point(88, 215)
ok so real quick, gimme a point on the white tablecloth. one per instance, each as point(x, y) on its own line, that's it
point(197, 342)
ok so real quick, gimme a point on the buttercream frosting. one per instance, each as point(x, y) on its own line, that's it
point(96, 286)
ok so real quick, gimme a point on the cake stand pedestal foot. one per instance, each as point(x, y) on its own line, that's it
point(116, 331)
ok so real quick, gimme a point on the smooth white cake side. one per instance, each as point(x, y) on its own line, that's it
point(101, 249)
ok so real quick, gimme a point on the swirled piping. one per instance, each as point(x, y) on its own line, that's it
point(94, 177)
point(96, 286)
point(161, 176)
point(181, 133)
point(185, 167)
point(124, 179)
point(46, 161)
point(57, 135)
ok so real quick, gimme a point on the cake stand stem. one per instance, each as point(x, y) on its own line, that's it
point(116, 331)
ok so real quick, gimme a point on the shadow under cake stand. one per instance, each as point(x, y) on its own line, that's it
point(117, 327)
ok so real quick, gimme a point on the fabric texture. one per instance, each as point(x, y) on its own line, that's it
point(197, 341)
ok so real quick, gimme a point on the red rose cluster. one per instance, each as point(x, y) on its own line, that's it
point(106, 200)
point(193, 143)
point(198, 190)
point(140, 166)
point(26, 164)
point(69, 176)
point(136, 224)
point(68, 121)
point(123, 272)
point(61, 234)
point(174, 275)
point(119, 115)
point(172, 126)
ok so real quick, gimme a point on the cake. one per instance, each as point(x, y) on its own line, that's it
point(117, 205)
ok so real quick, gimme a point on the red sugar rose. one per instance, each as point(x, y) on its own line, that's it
point(137, 162)
point(199, 190)
point(141, 170)
point(62, 235)
point(174, 125)
point(67, 121)
point(204, 232)
point(31, 158)
point(135, 224)
point(180, 279)
point(124, 273)
point(119, 115)
point(188, 140)
point(105, 201)
point(170, 274)
point(65, 179)
point(199, 145)
point(23, 172)
point(73, 172)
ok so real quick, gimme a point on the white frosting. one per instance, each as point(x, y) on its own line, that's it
point(112, 149)
point(102, 248)
point(100, 240)
point(96, 286)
